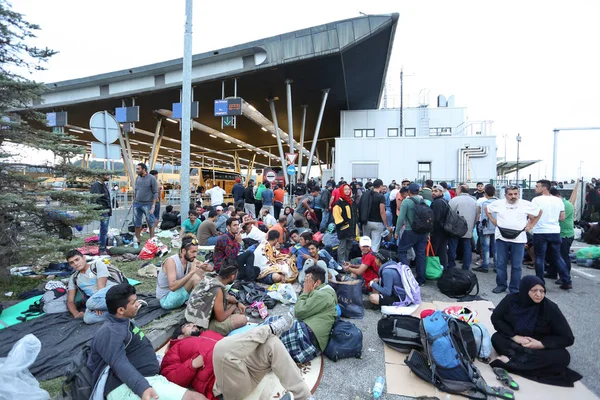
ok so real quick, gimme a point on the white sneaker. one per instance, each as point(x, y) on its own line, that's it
point(287, 396)
point(282, 324)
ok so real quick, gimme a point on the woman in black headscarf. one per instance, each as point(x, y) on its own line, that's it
point(532, 335)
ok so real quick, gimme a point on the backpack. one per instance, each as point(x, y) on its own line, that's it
point(446, 363)
point(114, 274)
point(410, 292)
point(457, 283)
point(423, 218)
point(79, 377)
point(364, 207)
point(345, 341)
point(400, 332)
point(455, 224)
point(54, 301)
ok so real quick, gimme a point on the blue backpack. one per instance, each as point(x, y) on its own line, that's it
point(345, 341)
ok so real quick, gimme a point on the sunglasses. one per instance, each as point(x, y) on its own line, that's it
point(190, 242)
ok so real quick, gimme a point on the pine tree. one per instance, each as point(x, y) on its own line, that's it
point(31, 215)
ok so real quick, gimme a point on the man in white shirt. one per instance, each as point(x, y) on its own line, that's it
point(513, 216)
point(216, 195)
point(546, 234)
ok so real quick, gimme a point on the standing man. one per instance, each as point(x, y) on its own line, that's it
point(487, 229)
point(99, 187)
point(216, 196)
point(305, 204)
point(278, 195)
point(154, 173)
point(258, 198)
point(145, 198)
point(511, 223)
point(427, 190)
point(466, 206)
point(439, 236)
point(411, 239)
point(238, 194)
point(480, 192)
point(267, 196)
point(227, 250)
point(567, 234)
point(249, 199)
point(325, 206)
point(377, 218)
point(546, 234)
point(447, 196)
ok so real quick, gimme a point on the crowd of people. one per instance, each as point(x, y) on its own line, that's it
point(339, 232)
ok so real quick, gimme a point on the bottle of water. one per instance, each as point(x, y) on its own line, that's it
point(135, 244)
point(115, 242)
point(378, 388)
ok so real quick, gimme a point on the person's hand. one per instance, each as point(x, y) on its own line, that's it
point(396, 236)
point(149, 394)
point(99, 312)
point(79, 314)
point(207, 267)
point(376, 280)
point(152, 210)
point(533, 344)
point(522, 340)
point(346, 267)
point(241, 307)
point(198, 362)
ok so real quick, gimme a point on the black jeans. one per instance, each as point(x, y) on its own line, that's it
point(439, 242)
point(247, 270)
point(565, 247)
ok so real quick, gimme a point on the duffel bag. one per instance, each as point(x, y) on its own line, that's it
point(400, 332)
point(345, 341)
point(458, 283)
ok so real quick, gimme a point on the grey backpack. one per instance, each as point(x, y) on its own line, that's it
point(54, 301)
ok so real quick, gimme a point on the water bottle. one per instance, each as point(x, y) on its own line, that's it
point(115, 242)
point(378, 388)
point(136, 245)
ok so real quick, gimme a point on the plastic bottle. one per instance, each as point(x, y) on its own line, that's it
point(115, 242)
point(378, 388)
point(136, 245)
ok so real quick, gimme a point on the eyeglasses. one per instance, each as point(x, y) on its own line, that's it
point(540, 291)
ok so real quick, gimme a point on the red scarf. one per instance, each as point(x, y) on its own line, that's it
point(343, 195)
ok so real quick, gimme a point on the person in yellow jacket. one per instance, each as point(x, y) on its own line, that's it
point(345, 223)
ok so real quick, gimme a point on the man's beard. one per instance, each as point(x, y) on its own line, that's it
point(188, 259)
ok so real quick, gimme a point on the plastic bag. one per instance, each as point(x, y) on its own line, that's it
point(285, 294)
point(15, 379)
point(349, 295)
point(149, 251)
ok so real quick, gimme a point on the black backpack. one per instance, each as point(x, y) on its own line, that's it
point(400, 332)
point(364, 207)
point(455, 224)
point(457, 283)
point(345, 341)
point(79, 378)
point(423, 218)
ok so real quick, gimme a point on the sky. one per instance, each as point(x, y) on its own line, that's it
point(529, 66)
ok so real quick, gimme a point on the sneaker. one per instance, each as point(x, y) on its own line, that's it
point(566, 286)
point(548, 276)
point(479, 263)
point(498, 289)
point(287, 396)
point(481, 269)
point(558, 281)
point(282, 324)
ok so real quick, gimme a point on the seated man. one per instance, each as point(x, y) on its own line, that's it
point(300, 250)
point(122, 346)
point(232, 366)
point(207, 232)
point(179, 274)
point(321, 259)
point(368, 268)
point(228, 248)
point(268, 219)
point(93, 282)
point(274, 266)
point(280, 227)
point(222, 217)
point(384, 287)
point(170, 218)
point(250, 229)
point(191, 224)
point(210, 307)
point(315, 312)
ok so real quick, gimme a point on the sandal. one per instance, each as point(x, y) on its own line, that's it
point(505, 378)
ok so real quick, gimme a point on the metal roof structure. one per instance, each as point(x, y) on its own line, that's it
point(508, 167)
point(349, 57)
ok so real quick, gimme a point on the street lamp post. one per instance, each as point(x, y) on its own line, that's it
point(518, 143)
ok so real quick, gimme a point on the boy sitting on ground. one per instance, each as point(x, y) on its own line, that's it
point(385, 287)
point(368, 268)
point(274, 266)
point(210, 307)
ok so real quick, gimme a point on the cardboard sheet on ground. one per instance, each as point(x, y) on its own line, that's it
point(401, 381)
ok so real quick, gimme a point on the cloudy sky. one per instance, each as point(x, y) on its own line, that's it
point(529, 66)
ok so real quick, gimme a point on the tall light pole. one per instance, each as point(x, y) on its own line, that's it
point(518, 143)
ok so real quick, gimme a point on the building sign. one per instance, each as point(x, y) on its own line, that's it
point(228, 107)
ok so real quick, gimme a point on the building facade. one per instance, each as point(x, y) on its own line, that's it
point(433, 143)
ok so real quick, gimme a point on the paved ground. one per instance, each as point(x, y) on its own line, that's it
point(353, 379)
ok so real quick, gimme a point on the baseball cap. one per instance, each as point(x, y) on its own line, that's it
point(219, 208)
point(414, 188)
point(238, 180)
point(380, 257)
point(365, 241)
point(437, 187)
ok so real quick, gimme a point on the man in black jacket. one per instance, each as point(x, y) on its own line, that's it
point(439, 237)
point(99, 187)
point(249, 201)
point(122, 346)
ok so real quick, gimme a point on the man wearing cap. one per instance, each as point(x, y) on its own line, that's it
point(368, 267)
point(466, 205)
point(222, 217)
point(238, 193)
point(411, 239)
point(383, 287)
point(377, 220)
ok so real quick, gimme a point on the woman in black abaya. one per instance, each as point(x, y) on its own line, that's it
point(532, 335)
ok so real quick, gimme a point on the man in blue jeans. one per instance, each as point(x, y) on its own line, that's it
point(512, 217)
point(99, 187)
point(466, 206)
point(546, 234)
point(487, 230)
point(410, 239)
point(145, 198)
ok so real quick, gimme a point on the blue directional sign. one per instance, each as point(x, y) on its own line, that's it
point(291, 170)
point(231, 106)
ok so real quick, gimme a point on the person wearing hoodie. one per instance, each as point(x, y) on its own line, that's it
point(315, 312)
point(121, 345)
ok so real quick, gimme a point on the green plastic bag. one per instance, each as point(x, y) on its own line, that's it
point(433, 268)
point(589, 252)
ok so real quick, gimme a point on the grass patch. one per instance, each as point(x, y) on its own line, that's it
point(16, 285)
point(53, 386)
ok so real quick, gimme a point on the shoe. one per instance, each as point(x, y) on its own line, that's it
point(498, 289)
point(529, 266)
point(282, 324)
point(551, 277)
point(481, 269)
point(558, 281)
point(422, 284)
point(566, 286)
point(287, 396)
point(479, 263)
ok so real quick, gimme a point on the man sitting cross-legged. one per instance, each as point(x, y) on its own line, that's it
point(120, 345)
point(210, 307)
point(316, 312)
point(179, 274)
point(232, 367)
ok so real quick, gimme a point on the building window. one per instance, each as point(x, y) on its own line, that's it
point(370, 132)
point(358, 133)
point(364, 133)
point(410, 132)
point(440, 131)
point(392, 132)
point(424, 171)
